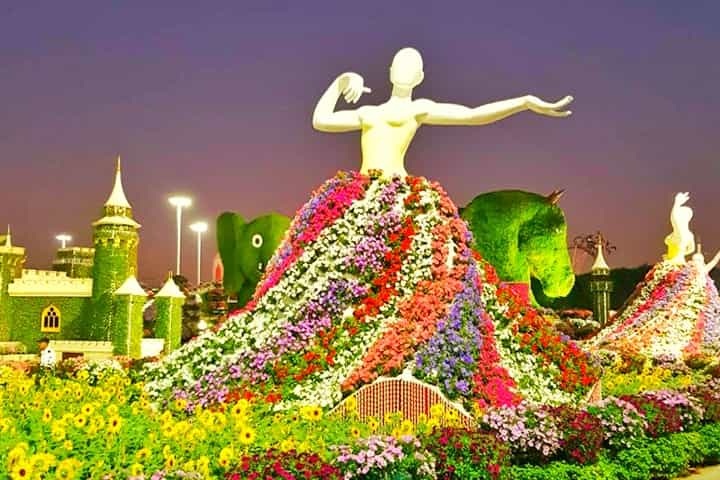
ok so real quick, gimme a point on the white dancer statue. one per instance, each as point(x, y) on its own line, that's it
point(388, 129)
point(681, 242)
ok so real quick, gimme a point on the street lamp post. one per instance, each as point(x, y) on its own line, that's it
point(63, 238)
point(199, 228)
point(179, 202)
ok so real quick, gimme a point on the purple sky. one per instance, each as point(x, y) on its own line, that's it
point(215, 98)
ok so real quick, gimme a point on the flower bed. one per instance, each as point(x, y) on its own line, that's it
point(72, 429)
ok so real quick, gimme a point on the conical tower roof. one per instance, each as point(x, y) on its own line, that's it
point(117, 197)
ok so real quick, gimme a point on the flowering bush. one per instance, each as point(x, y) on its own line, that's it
point(468, 454)
point(622, 423)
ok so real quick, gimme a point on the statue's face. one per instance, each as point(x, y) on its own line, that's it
point(407, 68)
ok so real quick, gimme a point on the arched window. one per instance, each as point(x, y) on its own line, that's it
point(50, 319)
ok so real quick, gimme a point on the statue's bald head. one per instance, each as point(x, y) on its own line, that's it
point(407, 68)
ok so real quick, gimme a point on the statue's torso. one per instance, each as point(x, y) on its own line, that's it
point(387, 131)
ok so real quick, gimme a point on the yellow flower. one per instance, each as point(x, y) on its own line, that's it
point(355, 432)
point(287, 445)
point(170, 462)
point(167, 429)
point(167, 451)
point(112, 409)
point(189, 466)
point(4, 425)
point(406, 428)
point(17, 454)
point(68, 445)
point(373, 424)
point(57, 432)
point(437, 410)
point(41, 462)
point(225, 457)
point(47, 415)
point(114, 424)
point(21, 470)
point(82, 375)
point(136, 469)
point(143, 454)
point(203, 463)
point(80, 421)
point(180, 404)
point(247, 435)
point(66, 469)
point(312, 413)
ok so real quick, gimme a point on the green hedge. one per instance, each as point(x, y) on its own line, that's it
point(662, 458)
point(75, 315)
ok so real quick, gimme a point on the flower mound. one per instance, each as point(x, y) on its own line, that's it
point(673, 315)
point(375, 277)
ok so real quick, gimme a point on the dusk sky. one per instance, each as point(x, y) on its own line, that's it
point(214, 99)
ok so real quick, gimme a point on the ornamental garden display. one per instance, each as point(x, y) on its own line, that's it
point(674, 314)
point(375, 278)
point(376, 345)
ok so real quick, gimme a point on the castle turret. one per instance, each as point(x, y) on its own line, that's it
point(600, 286)
point(115, 238)
point(12, 260)
point(128, 331)
point(168, 321)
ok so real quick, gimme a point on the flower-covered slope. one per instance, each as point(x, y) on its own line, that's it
point(374, 277)
point(672, 315)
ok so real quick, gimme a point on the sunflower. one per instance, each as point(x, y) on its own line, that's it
point(57, 432)
point(373, 424)
point(143, 454)
point(21, 470)
point(287, 445)
point(47, 415)
point(136, 469)
point(170, 462)
point(4, 425)
point(17, 454)
point(80, 421)
point(66, 469)
point(180, 404)
point(68, 445)
point(351, 404)
point(312, 413)
point(355, 432)
point(41, 462)
point(247, 435)
point(406, 428)
point(167, 429)
point(112, 409)
point(114, 424)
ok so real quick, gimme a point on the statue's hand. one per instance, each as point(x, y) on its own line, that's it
point(681, 198)
point(352, 86)
point(550, 109)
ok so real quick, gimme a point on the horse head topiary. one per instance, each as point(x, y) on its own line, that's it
point(523, 235)
point(245, 249)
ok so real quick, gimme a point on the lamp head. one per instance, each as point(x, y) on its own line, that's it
point(180, 201)
point(199, 227)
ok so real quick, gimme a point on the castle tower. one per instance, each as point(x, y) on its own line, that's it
point(168, 320)
point(115, 239)
point(128, 332)
point(12, 260)
point(600, 286)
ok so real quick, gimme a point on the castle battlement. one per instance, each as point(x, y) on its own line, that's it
point(49, 283)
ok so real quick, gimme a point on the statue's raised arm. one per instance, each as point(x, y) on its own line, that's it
point(388, 128)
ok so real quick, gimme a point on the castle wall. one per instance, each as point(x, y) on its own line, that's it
point(25, 327)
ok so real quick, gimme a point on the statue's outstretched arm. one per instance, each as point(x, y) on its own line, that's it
point(452, 114)
point(325, 118)
point(712, 263)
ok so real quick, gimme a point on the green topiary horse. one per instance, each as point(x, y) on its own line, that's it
point(246, 248)
point(523, 235)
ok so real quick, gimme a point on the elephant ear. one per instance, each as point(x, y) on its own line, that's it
point(229, 230)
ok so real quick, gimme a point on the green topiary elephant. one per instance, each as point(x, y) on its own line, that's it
point(246, 248)
point(523, 235)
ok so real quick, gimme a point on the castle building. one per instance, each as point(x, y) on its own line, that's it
point(90, 304)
